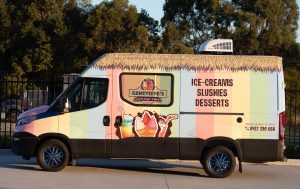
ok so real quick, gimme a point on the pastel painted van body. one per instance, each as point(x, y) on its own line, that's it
point(165, 106)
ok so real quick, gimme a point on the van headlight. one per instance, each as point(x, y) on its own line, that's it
point(26, 120)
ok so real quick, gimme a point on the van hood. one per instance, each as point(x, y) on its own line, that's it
point(34, 111)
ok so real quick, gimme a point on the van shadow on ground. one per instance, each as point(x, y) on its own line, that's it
point(146, 166)
point(149, 166)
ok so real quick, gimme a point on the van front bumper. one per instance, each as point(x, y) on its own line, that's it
point(24, 144)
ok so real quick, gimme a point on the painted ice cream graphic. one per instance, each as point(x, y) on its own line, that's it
point(146, 124)
point(164, 124)
point(126, 126)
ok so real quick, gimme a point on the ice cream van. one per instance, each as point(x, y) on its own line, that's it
point(218, 109)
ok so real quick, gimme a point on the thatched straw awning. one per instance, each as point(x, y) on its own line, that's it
point(190, 62)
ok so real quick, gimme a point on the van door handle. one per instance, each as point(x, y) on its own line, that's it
point(118, 121)
point(106, 121)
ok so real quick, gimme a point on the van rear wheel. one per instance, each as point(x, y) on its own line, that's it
point(52, 155)
point(219, 162)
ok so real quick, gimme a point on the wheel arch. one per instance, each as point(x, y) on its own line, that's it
point(45, 137)
point(222, 141)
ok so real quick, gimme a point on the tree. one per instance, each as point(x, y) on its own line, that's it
point(32, 26)
point(291, 57)
point(256, 26)
point(114, 27)
point(154, 30)
point(41, 37)
point(172, 41)
point(5, 39)
point(53, 37)
point(268, 27)
point(72, 50)
point(199, 20)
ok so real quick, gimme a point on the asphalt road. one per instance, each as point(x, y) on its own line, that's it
point(123, 174)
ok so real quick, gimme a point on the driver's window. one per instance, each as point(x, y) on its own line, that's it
point(94, 92)
point(86, 94)
point(74, 98)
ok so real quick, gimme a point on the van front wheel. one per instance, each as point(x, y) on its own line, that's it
point(219, 162)
point(52, 155)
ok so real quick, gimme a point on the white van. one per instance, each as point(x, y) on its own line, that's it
point(211, 108)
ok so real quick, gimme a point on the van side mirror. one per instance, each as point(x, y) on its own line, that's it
point(66, 106)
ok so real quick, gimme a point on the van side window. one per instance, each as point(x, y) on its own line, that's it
point(87, 93)
point(94, 92)
point(147, 89)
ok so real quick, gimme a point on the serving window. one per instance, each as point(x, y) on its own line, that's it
point(140, 89)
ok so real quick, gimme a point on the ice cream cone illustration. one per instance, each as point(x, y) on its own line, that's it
point(146, 126)
point(164, 124)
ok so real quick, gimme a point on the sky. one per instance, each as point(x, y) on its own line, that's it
point(154, 8)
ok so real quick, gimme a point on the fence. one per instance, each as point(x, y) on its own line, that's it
point(17, 96)
point(292, 131)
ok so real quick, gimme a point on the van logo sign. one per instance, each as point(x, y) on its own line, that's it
point(147, 92)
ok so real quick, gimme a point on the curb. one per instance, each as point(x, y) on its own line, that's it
point(289, 162)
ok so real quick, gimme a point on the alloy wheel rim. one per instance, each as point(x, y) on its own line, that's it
point(53, 156)
point(220, 163)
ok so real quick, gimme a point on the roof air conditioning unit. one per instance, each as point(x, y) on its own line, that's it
point(219, 46)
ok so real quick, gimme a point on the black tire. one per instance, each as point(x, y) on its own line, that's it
point(52, 155)
point(219, 162)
